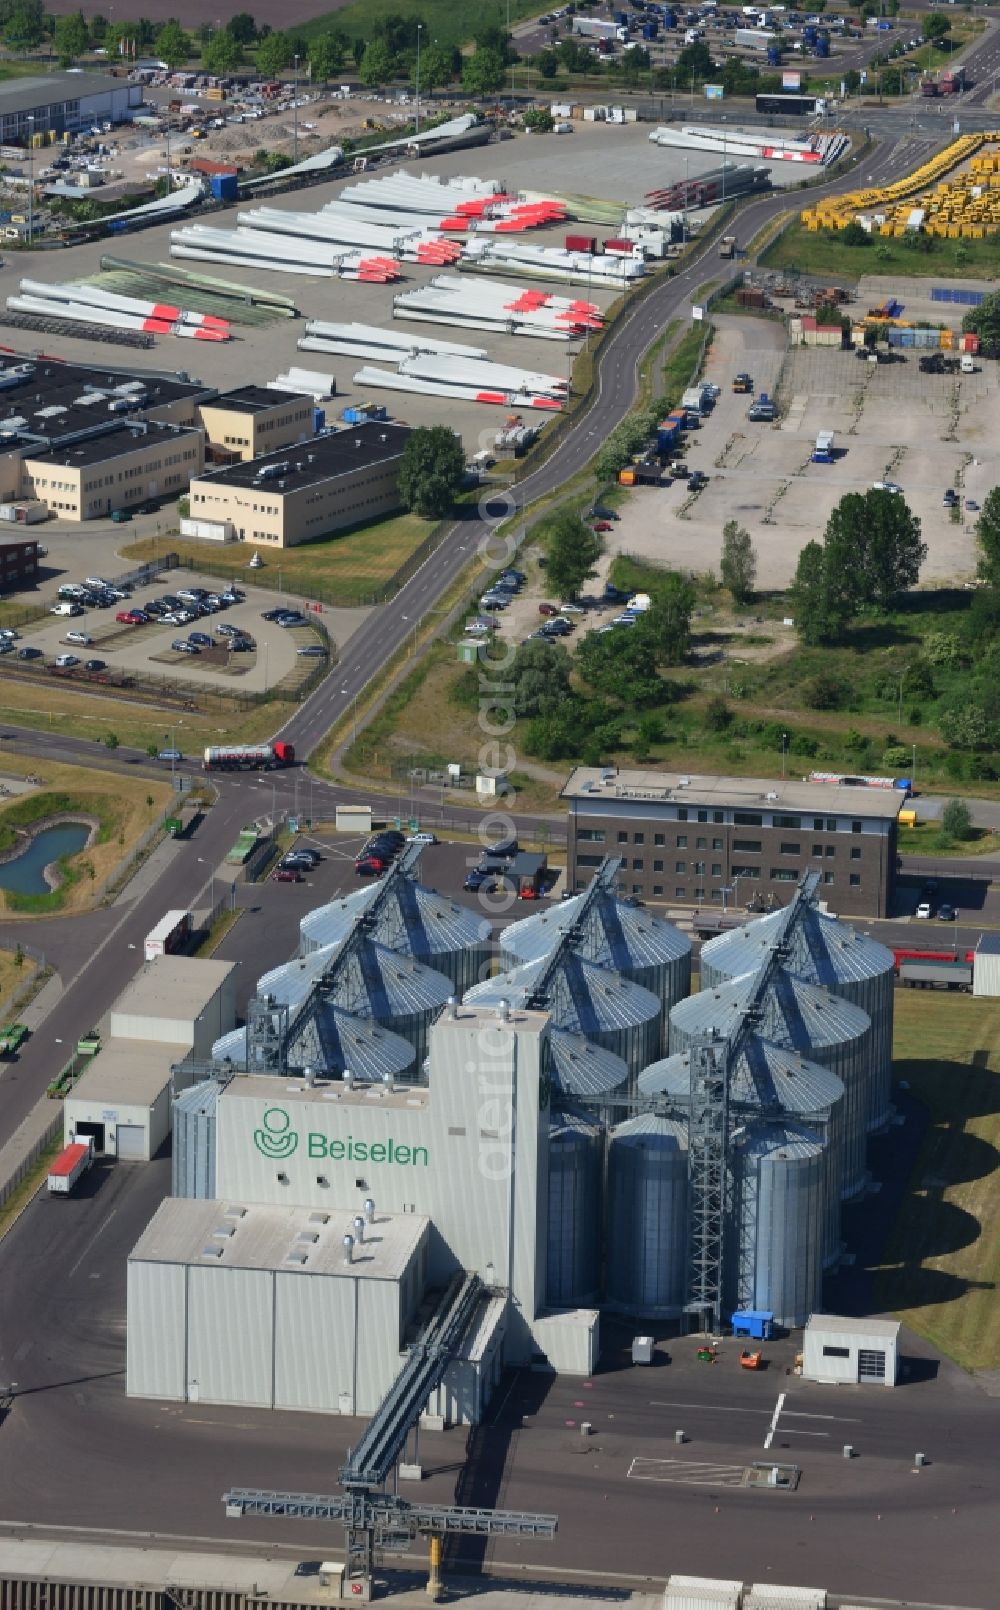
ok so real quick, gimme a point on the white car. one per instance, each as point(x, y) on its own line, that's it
point(96, 581)
point(79, 637)
point(571, 609)
point(887, 486)
point(924, 909)
point(67, 659)
point(421, 838)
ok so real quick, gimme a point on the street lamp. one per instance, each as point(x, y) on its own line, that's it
point(420, 29)
point(784, 751)
point(31, 178)
point(295, 109)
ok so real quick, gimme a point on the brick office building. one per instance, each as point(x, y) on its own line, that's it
point(684, 838)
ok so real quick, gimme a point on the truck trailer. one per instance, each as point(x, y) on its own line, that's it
point(921, 974)
point(600, 28)
point(170, 934)
point(248, 757)
point(70, 1166)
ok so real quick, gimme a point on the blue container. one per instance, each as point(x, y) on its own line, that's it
point(809, 35)
point(650, 30)
point(822, 45)
point(774, 55)
point(224, 186)
point(669, 18)
point(319, 420)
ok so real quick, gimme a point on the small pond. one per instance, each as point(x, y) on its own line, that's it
point(25, 875)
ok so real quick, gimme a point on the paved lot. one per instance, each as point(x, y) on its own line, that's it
point(926, 432)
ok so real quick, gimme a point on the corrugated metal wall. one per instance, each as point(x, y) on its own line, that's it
point(27, 1593)
point(315, 1336)
point(230, 1335)
point(157, 1326)
point(377, 1359)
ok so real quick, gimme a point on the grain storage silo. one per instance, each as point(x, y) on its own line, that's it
point(582, 1069)
point(824, 951)
point(771, 1083)
point(339, 1043)
point(799, 1016)
point(573, 1235)
point(616, 934)
point(410, 920)
point(646, 1251)
point(192, 1158)
point(776, 1226)
point(603, 1006)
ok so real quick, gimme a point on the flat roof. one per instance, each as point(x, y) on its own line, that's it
point(126, 1072)
point(321, 458)
point(293, 1239)
point(605, 784)
point(255, 399)
point(22, 94)
point(295, 1092)
point(844, 1325)
point(44, 397)
point(113, 443)
point(173, 987)
point(988, 945)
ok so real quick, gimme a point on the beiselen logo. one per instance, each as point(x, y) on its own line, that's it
point(277, 1140)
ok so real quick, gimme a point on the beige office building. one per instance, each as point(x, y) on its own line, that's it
point(327, 484)
point(120, 468)
point(251, 421)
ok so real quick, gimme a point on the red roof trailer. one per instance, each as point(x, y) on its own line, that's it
point(71, 1164)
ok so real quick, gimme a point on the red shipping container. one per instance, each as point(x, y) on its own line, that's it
point(623, 248)
point(581, 243)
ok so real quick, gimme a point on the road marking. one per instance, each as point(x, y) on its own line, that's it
point(99, 1231)
point(717, 1408)
point(774, 1420)
point(686, 1472)
point(841, 1419)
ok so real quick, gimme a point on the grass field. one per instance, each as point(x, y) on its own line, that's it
point(824, 253)
point(941, 1274)
point(87, 715)
point(12, 976)
point(124, 806)
point(343, 571)
point(448, 22)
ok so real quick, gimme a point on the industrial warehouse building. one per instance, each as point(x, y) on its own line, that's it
point(338, 480)
point(689, 838)
point(122, 467)
point(63, 103)
point(582, 1099)
point(854, 1352)
point(173, 1009)
point(250, 421)
point(18, 561)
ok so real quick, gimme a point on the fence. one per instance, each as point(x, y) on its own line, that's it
point(26, 1146)
point(137, 851)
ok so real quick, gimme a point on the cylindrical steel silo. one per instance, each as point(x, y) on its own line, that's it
point(615, 934)
point(776, 1229)
point(411, 920)
point(829, 952)
point(586, 999)
point(799, 1016)
point(646, 1252)
point(770, 1083)
point(192, 1157)
point(573, 1233)
point(581, 1069)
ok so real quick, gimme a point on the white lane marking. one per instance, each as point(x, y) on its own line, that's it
point(774, 1420)
point(717, 1408)
point(99, 1231)
point(686, 1472)
point(841, 1419)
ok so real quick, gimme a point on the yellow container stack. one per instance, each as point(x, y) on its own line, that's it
point(967, 206)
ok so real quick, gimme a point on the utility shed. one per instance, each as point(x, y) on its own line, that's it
point(772, 1596)
point(179, 1001)
point(857, 1351)
point(986, 966)
point(122, 1102)
point(265, 1307)
point(701, 1593)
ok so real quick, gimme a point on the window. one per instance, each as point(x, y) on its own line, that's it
point(783, 874)
point(699, 894)
point(716, 844)
point(623, 838)
point(748, 846)
point(682, 842)
point(638, 838)
point(836, 1352)
point(657, 866)
point(701, 844)
point(717, 816)
point(830, 850)
point(817, 850)
point(787, 821)
point(699, 868)
point(831, 824)
point(817, 824)
point(682, 814)
point(790, 848)
point(717, 869)
point(855, 880)
point(855, 827)
point(827, 877)
point(637, 864)
point(703, 816)
point(748, 819)
point(680, 866)
point(746, 872)
point(593, 835)
point(637, 888)
point(589, 860)
point(680, 892)
point(871, 1365)
point(855, 854)
point(659, 838)
point(657, 888)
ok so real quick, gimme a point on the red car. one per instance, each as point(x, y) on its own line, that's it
point(287, 874)
point(369, 867)
point(547, 609)
point(602, 525)
point(131, 617)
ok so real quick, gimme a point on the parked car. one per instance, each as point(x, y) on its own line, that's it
point(946, 913)
point(602, 525)
point(180, 645)
point(503, 850)
point(170, 754)
point(291, 618)
point(66, 660)
point(241, 645)
point(233, 595)
point(200, 639)
point(227, 629)
point(887, 486)
point(96, 581)
point(304, 859)
point(29, 653)
point(492, 601)
point(571, 609)
point(271, 614)
point(547, 609)
point(95, 665)
point(82, 638)
point(422, 838)
point(925, 909)
point(287, 874)
point(131, 617)
point(370, 866)
point(476, 879)
point(314, 651)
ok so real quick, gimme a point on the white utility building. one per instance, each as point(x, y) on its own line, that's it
point(179, 1001)
point(856, 1352)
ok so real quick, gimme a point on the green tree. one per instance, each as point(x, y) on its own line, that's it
point(821, 613)
point(935, 26)
point(539, 120)
point(718, 715)
point(694, 61)
point(223, 53)
point(71, 38)
point(111, 740)
point(855, 235)
point(988, 538)
point(540, 677)
point(484, 72)
point(243, 27)
point(738, 567)
point(666, 624)
point(173, 45)
point(547, 63)
point(984, 321)
point(24, 23)
point(377, 65)
point(574, 57)
point(873, 546)
point(274, 54)
point(956, 820)
point(573, 551)
point(438, 66)
point(634, 63)
point(326, 56)
point(431, 471)
point(622, 665)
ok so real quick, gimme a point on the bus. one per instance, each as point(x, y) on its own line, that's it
point(792, 105)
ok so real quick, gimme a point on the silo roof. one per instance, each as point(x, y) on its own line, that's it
point(568, 1121)
point(772, 1142)
point(412, 920)
point(809, 1016)
point(766, 1076)
point(616, 934)
point(203, 1096)
point(394, 982)
point(601, 1002)
point(649, 1129)
point(232, 1048)
point(343, 1040)
point(581, 1068)
point(823, 950)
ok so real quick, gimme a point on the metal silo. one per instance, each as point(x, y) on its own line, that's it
point(770, 1083)
point(776, 1228)
point(799, 1016)
point(622, 937)
point(825, 951)
point(410, 920)
point(576, 1156)
point(581, 1069)
point(646, 1252)
point(586, 999)
point(192, 1160)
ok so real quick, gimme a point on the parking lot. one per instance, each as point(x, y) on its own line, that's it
point(927, 433)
